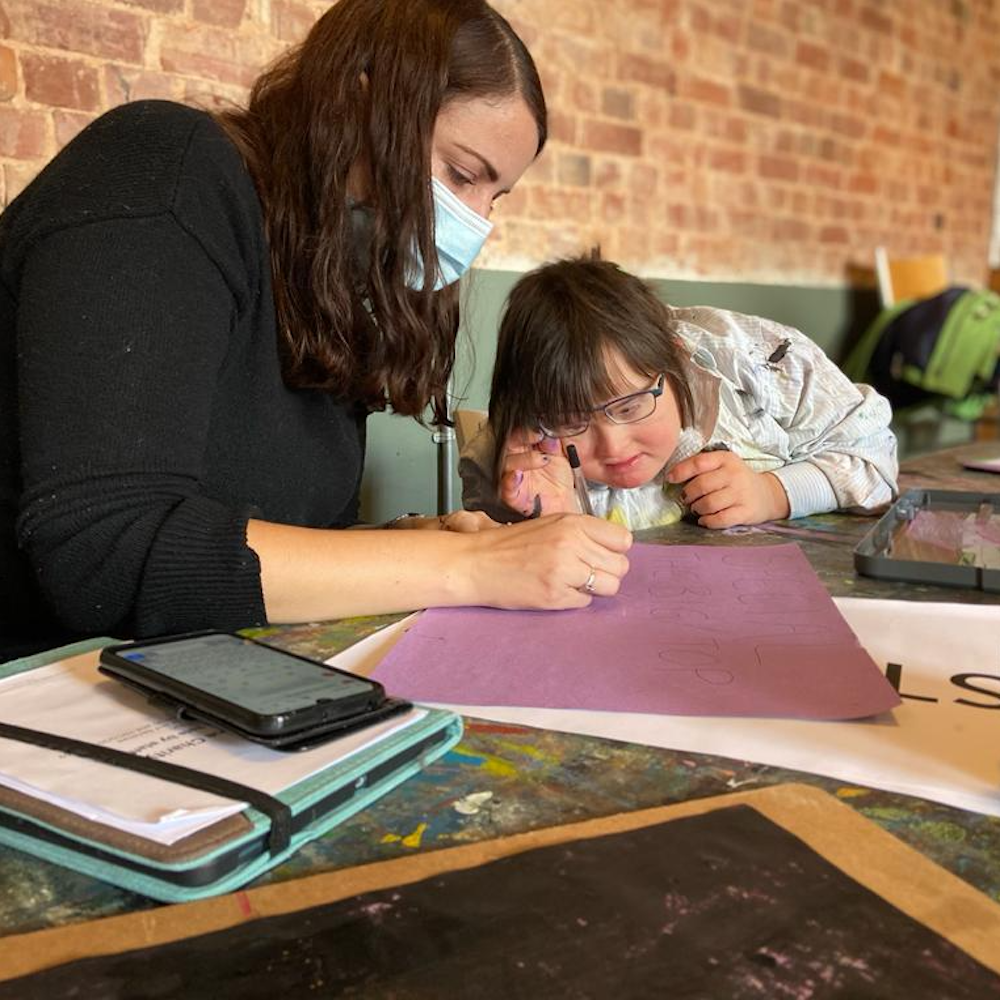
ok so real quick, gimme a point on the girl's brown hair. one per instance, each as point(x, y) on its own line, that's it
point(552, 352)
point(366, 87)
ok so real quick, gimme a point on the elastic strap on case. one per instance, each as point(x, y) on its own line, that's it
point(280, 814)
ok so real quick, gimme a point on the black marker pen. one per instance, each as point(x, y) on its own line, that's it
point(579, 483)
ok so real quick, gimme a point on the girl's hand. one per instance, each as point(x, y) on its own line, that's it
point(467, 521)
point(546, 563)
point(536, 476)
point(723, 490)
point(457, 520)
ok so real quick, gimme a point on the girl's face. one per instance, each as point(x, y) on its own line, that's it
point(481, 146)
point(627, 455)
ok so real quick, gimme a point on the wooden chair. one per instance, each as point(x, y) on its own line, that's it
point(467, 425)
point(909, 277)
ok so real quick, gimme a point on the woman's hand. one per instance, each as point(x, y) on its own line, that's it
point(723, 490)
point(313, 574)
point(536, 478)
point(548, 562)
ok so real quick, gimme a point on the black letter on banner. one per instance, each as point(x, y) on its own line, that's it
point(894, 675)
point(962, 680)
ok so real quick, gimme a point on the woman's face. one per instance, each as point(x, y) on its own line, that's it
point(628, 455)
point(481, 146)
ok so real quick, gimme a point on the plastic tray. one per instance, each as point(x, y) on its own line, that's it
point(947, 537)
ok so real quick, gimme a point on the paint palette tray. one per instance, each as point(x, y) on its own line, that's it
point(947, 537)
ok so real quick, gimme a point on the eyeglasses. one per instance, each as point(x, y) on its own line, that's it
point(624, 410)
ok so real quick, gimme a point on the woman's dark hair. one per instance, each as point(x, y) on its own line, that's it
point(366, 87)
point(552, 352)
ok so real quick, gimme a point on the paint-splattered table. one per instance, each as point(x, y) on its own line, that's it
point(507, 779)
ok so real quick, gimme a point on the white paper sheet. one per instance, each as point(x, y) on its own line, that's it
point(945, 748)
point(72, 699)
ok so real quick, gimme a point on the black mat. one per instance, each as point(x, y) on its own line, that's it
point(724, 905)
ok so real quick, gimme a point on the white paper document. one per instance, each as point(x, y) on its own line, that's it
point(942, 743)
point(70, 698)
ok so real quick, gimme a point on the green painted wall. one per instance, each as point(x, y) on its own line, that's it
point(401, 473)
point(401, 466)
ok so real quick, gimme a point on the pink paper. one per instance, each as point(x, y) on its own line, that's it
point(695, 630)
point(983, 464)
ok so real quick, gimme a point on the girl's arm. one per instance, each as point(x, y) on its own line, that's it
point(475, 467)
point(842, 453)
point(833, 436)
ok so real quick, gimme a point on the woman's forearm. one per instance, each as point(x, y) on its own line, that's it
point(310, 574)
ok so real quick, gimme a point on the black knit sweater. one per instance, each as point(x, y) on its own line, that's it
point(142, 409)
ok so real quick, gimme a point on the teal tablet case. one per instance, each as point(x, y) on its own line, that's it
point(233, 851)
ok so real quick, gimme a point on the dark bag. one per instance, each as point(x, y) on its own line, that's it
point(944, 347)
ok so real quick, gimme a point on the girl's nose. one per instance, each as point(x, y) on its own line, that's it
point(606, 437)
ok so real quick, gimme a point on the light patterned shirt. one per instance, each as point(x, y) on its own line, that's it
point(769, 394)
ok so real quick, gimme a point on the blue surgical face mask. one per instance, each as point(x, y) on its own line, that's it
point(459, 235)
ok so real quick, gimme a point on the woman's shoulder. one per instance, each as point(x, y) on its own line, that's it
point(132, 161)
point(149, 117)
point(160, 136)
point(137, 161)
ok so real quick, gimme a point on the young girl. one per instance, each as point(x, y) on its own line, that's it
point(735, 418)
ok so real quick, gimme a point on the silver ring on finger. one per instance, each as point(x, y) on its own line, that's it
point(588, 587)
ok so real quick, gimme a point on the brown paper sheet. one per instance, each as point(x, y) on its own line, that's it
point(862, 850)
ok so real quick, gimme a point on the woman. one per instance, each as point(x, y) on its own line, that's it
point(197, 315)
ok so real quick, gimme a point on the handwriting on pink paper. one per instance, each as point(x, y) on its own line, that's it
point(695, 630)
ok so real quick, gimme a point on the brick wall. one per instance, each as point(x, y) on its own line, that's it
point(760, 140)
point(995, 238)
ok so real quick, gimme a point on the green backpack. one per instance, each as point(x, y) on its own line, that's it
point(944, 347)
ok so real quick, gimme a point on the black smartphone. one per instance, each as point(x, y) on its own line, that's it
point(260, 692)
